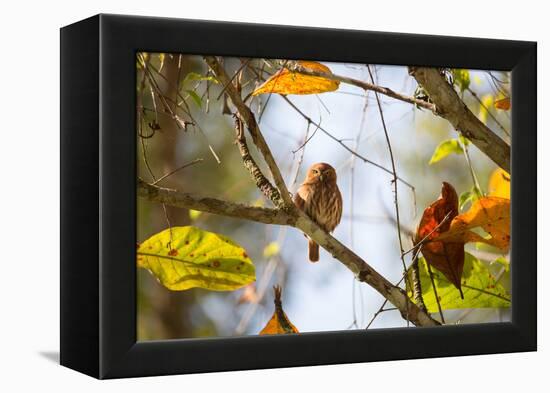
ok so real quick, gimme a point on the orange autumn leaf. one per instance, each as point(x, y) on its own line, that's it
point(492, 214)
point(279, 323)
point(499, 184)
point(503, 104)
point(285, 81)
point(448, 256)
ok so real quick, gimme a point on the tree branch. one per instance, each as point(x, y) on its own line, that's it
point(298, 219)
point(257, 137)
point(261, 181)
point(353, 262)
point(213, 205)
point(452, 108)
point(363, 85)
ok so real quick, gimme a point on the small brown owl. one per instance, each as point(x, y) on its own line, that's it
point(320, 198)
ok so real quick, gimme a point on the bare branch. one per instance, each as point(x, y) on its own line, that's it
point(363, 85)
point(213, 205)
point(452, 108)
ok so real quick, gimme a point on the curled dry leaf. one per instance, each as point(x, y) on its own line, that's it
point(492, 214)
point(279, 323)
point(445, 256)
point(285, 81)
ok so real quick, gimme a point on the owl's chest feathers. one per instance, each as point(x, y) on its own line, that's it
point(323, 203)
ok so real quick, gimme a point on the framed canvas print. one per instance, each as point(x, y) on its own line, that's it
point(239, 196)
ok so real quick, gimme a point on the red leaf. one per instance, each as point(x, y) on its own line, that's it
point(447, 257)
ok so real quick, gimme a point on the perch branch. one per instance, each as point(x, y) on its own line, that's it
point(452, 108)
point(212, 205)
point(297, 219)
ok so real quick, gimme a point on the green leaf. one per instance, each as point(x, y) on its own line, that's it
point(461, 78)
point(195, 97)
point(193, 257)
point(465, 141)
point(445, 148)
point(464, 198)
point(467, 196)
point(478, 285)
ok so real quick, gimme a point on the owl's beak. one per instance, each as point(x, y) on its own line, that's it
point(322, 177)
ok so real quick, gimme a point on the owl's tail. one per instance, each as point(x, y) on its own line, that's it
point(313, 251)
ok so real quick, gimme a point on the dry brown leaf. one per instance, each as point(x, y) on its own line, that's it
point(447, 257)
point(503, 104)
point(285, 81)
point(279, 323)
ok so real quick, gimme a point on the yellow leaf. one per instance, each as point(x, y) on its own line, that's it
point(499, 184)
point(187, 257)
point(503, 104)
point(486, 103)
point(285, 81)
point(271, 249)
point(279, 323)
point(492, 214)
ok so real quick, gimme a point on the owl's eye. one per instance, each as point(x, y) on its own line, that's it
point(315, 171)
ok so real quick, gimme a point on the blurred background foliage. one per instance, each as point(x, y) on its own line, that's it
point(191, 122)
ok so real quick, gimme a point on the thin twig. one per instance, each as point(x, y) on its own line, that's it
point(363, 85)
point(195, 161)
point(435, 292)
point(394, 173)
point(498, 123)
point(340, 141)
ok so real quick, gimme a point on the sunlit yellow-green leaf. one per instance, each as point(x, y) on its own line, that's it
point(194, 214)
point(451, 146)
point(480, 288)
point(271, 249)
point(192, 257)
point(486, 102)
point(461, 78)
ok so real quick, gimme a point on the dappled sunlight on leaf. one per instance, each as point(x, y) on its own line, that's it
point(491, 214)
point(191, 257)
point(479, 286)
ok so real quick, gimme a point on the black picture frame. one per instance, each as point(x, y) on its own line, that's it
point(98, 196)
